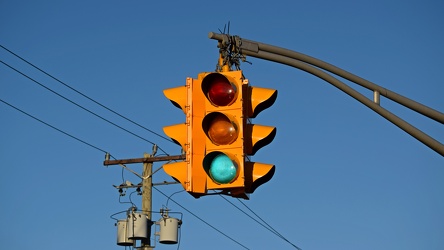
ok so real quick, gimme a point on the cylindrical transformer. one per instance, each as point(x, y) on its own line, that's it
point(122, 234)
point(168, 230)
point(138, 226)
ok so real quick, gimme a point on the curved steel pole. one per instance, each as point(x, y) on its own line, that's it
point(253, 50)
point(418, 107)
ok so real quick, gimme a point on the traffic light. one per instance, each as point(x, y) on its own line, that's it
point(218, 137)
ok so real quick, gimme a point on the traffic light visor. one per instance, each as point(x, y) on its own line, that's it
point(260, 99)
point(177, 96)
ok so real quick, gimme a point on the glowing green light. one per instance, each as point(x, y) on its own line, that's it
point(222, 169)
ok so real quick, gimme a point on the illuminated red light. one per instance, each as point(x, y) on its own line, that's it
point(221, 92)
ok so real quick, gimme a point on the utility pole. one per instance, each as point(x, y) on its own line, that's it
point(147, 185)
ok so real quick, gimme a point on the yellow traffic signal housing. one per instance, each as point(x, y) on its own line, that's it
point(188, 135)
point(217, 136)
point(223, 126)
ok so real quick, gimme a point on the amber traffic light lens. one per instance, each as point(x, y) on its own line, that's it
point(220, 91)
point(220, 129)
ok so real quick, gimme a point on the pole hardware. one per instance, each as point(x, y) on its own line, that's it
point(108, 162)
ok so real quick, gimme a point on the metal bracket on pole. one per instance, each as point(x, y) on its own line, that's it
point(376, 97)
point(144, 160)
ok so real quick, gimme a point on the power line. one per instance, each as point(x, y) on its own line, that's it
point(49, 125)
point(266, 226)
point(103, 106)
point(270, 227)
point(80, 93)
point(208, 224)
point(251, 217)
point(78, 105)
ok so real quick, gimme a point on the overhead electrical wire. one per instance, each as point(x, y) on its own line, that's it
point(95, 147)
point(270, 227)
point(264, 224)
point(267, 226)
point(208, 224)
point(80, 93)
point(78, 105)
point(86, 143)
point(51, 126)
point(169, 197)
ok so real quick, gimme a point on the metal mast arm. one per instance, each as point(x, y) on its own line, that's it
point(304, 62)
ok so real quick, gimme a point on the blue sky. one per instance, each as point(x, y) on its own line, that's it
point(345, 178)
